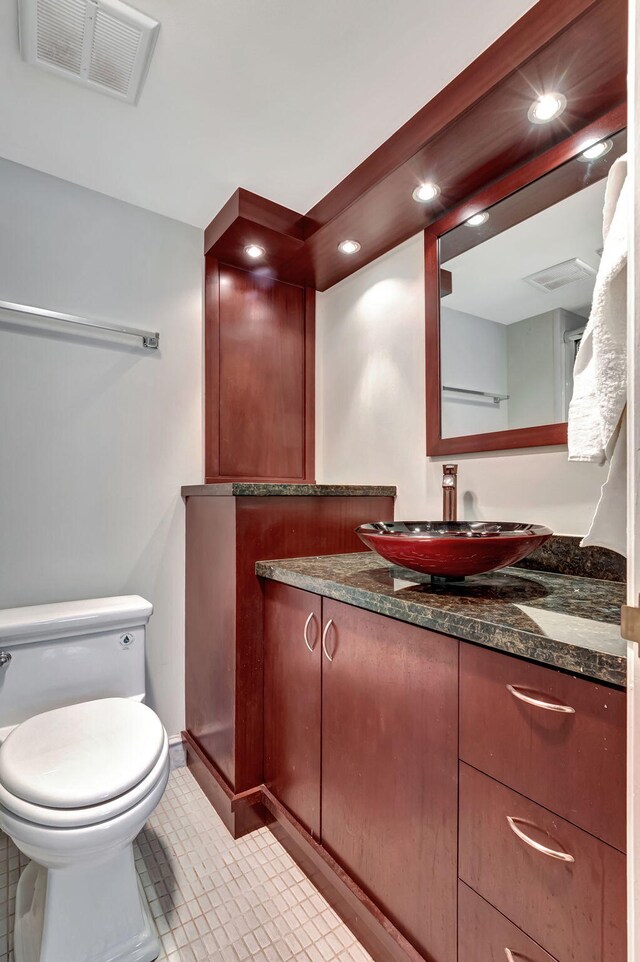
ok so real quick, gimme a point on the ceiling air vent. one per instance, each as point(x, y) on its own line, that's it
point(103, 44)
point(553, 278)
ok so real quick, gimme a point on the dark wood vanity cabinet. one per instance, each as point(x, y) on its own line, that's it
point(506, 845)
point(542, 804)
point(292, 692)
point(381, 740)
point(389, 768)
point(557, 739)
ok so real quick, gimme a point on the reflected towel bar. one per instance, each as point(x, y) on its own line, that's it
point(150, 339)
point(496, 398)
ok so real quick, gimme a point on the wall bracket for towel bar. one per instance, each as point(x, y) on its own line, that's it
point(496, 398)
point(150, 339)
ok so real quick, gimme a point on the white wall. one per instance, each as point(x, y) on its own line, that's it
point(371, 419)
point(96, 437)
point(473, 354)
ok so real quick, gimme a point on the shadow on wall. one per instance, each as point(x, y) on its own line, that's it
point(154, 576)
point(470, 507)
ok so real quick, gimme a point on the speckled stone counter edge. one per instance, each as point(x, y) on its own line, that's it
point(598, 666)
point(265, 489)
point(562, 554)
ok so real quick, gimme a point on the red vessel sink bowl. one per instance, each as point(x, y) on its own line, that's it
point(452, 549)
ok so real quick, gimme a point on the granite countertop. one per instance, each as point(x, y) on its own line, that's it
point(555, 619)
point(267, 489)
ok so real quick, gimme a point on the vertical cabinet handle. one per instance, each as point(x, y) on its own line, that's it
point(538, 846)
point(531, 698)
point(509, 954)
point(324, 639)
point(305, 634)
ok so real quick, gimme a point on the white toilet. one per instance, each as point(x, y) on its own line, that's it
point(83, 764)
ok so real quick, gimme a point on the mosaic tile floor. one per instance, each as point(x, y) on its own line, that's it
point(214, 898)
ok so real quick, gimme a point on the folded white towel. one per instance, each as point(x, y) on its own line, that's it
point(596, 432)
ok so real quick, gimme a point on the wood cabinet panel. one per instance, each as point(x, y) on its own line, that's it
point(572, 763)
point(210, 628)
point(575, 910)
point(262, 383)
point(484, 935)
point(226, 535)
point(389, 769)
point(292, 706)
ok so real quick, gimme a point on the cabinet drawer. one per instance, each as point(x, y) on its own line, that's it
point(574, 909)
point(572, 762)
point(484, 935)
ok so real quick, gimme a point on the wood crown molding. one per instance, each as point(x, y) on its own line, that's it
point(471, 132)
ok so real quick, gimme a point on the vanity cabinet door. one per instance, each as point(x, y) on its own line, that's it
point(389, 769)
point(292, 686)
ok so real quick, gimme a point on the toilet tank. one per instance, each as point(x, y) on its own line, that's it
point(74, 651)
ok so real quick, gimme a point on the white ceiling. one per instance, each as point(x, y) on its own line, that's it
point(283, 97)
point(488, 279)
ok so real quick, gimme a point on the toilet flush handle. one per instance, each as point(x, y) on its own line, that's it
point(5, 658)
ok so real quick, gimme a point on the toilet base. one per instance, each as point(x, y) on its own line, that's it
point(68, 914)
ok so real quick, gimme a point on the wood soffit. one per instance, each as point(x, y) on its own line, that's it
point(473, 131)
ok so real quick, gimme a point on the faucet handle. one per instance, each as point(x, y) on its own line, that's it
point(449, 475)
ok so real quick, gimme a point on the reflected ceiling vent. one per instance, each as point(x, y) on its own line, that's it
point(103, 44)
point(553, 278)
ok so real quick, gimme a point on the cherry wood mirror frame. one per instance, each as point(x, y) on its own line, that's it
point(542, 435)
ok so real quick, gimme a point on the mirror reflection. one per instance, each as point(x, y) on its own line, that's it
point(516, 289)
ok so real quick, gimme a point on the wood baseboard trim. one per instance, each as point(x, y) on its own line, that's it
point(371, 927)
point(241, 813)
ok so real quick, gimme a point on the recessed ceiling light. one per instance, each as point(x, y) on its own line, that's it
point(596, 151)
point(478, 219)
point(349, 247)
point(426, 192)
point(546, 108)
point(254, 250)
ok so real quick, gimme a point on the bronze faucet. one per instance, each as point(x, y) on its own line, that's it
point(449, 492)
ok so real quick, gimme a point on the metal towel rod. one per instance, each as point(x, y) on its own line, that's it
point(150, 339)
point(496, 398)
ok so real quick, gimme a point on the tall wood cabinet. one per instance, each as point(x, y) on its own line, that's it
point(229, 528)
point(259, 377)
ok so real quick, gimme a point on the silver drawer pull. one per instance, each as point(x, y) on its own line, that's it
point(538, 846)
point(537, 702)
point(324, 639)
point(509, 954)
point(306, 629)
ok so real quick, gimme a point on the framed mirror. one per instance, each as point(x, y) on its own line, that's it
point(509, 283)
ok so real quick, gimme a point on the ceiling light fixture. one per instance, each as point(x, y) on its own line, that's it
point(426, 192)
point(349, 247)
point(478, 219)
point(254, 250)
point(546, 108)
point(595, 151)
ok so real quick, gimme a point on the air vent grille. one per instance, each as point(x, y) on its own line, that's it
point(113, 52)
point(553, 278)
point(61, 33)
point(104, 44)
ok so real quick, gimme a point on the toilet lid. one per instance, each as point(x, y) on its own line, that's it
point(81, 755)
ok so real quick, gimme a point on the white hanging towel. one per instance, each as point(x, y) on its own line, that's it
point(596, 412)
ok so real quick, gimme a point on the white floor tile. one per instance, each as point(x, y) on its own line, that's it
point(215, 899)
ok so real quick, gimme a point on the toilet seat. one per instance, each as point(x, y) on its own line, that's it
point(82, 764)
